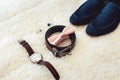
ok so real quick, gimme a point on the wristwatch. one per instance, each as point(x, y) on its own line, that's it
point(38, 59)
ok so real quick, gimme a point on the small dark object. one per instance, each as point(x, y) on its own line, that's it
point(49, 24)
point(40, 30)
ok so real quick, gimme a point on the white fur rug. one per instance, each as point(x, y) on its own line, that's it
point(93, 58)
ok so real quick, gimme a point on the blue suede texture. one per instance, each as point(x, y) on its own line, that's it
point(86, 12)
point(106, 21)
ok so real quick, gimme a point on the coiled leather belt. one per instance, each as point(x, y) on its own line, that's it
point(59, 51)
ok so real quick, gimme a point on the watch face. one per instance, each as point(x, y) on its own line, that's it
point(35, 57)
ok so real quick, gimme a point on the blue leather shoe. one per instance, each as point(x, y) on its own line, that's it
point(85, 13)
point(106, 21)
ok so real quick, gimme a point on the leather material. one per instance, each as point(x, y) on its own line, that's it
point(41, 62)
point(87, 11)
point(50, 68)
point(59, 51)
point(106, 21)
point(27, 47)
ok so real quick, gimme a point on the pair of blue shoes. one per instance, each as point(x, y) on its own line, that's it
point(103, 16)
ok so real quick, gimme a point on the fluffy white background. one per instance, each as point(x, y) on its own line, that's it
point(93, 58)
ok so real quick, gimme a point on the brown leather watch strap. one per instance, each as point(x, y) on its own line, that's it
point(45, 63)
point(51, 69)
point(27, 47)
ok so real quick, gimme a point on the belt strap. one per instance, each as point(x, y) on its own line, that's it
point(59, 51)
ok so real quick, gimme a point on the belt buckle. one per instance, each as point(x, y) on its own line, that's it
point(55, 51)
point(61, 53)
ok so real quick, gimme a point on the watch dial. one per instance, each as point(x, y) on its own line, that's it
point(35, 57)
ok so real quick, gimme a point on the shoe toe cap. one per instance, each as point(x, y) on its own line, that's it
point(75, 20)
point(91, 31)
